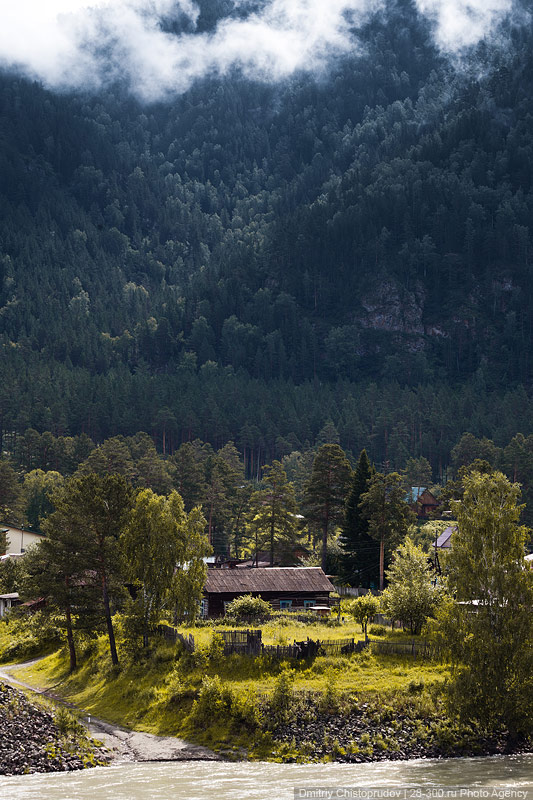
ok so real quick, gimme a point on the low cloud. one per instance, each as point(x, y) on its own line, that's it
point(462, 23)
point(88, 43)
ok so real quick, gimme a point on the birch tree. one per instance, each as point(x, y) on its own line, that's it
point(490, 628)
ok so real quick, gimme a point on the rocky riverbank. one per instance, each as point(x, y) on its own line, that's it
point(369, 733)
point(35, 740)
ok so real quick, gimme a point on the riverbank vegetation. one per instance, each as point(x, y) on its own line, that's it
point(98, 569)
point(358, 707)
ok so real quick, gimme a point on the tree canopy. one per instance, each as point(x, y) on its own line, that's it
point(490, 629)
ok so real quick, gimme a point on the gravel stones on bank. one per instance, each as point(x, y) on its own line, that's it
point(32, 742)
point(358, 737)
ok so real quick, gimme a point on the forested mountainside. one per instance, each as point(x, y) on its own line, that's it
point(248, 260)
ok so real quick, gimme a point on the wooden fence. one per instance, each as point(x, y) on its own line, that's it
point(281, 651)
point(340, 647)
point(172, 635)
point(412, 648)
point(247, 642)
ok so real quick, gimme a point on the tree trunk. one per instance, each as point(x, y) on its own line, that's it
point(109, 623)
point(145, 620)
point(70, 639)
point(324, 545)
point(381, 563)
point(272, 527)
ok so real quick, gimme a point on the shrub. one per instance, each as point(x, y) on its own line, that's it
point(30, 634)
point(282, 700)
point(249, 608)
point(213, 701)
point(66, 723)
point(378, 630)
point(215, 649)
point(329, 700)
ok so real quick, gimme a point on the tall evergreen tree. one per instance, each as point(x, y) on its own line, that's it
point(360, 551)
point(325, 494)
point(273, 518)
point(98, 507)
point(387, 513)
point(56, 569)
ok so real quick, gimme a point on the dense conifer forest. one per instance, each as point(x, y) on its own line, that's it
point(251, 262)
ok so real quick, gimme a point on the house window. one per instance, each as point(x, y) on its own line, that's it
point(309, 603)
point(204, 608)
point(285, 604)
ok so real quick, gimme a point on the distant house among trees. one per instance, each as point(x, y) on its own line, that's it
point(7, 601)
point(421, 501)
point(444, 541)
point(285, 588)
point(19, 539)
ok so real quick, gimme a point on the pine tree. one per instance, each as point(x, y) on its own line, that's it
point(387, 513)
point(273, 518)
point(325, 494)
point(98, 508)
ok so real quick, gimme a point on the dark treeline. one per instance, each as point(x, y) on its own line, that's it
point(265, 419)
point(249, 262)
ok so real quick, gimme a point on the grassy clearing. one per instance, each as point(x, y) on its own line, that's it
point(218, 701)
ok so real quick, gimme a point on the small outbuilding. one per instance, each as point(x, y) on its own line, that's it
point(7, 601)
point(285, 588)
point(444, 541)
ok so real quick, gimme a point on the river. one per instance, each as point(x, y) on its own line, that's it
point(201, 780)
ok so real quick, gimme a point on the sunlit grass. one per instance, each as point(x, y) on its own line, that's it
point(155, 693)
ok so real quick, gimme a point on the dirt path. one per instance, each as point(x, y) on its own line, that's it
point(124, 744)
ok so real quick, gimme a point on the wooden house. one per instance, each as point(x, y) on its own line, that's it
point(421, 501)
point(285, 588)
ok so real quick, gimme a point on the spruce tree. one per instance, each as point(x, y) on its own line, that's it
point(360, 552)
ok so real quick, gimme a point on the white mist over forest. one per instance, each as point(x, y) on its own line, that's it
point(88, 43)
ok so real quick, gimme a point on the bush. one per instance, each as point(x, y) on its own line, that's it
point(282, 701)
point(66, 723)
point(378, 630)
point(30, 635)
point(249, 608)
point(213, 701)
point(215, 650)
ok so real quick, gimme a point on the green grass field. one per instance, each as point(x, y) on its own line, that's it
point(155, 692)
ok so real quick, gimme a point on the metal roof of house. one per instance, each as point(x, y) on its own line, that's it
point(415, 493)
point(271, 579)
point(445, 539)
point(5, 528)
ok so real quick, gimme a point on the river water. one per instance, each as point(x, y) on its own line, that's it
point(200, 780)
